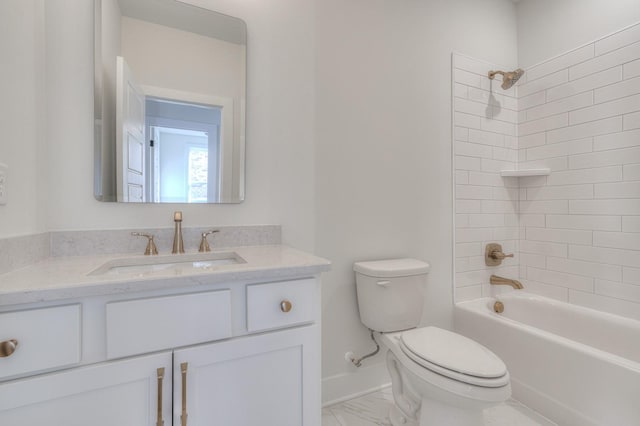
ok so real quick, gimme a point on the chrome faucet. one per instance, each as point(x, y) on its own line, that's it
point(496, 280)
point(178, 245)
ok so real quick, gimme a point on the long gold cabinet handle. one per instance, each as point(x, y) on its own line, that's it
point(8, 347)
point(160, 421)
point(183, 370)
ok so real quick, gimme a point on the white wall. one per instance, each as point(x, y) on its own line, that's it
point(280, 166)
point(547, 28)
point(383, 154)
point(22, 115)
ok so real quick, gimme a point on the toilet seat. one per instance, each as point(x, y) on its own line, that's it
point(454, 356)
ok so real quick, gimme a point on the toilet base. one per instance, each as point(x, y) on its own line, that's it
point(398, 419)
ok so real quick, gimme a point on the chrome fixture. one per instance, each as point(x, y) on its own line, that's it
point(493, 255)
point(178, 245)
point(204, 244)
point(151, 246)
point(496, 280)
point(508, 78)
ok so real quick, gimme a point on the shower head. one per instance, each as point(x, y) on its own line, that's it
point(508, 78)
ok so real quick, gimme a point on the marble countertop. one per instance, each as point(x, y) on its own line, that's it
point(59, 278)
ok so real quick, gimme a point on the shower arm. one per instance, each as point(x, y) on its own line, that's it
point(492, 74)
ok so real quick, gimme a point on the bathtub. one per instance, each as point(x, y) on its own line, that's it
point(576, 366)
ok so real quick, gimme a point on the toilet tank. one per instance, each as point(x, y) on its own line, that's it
point(390, 293)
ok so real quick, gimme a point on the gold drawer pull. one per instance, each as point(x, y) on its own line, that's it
point(183, 417)
point(8, 347)
point(160, 421)
point(285, 306)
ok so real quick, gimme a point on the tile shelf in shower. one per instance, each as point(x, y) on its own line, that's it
point(525, 172)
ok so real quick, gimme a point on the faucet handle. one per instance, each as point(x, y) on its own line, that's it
point(493, 255)
point(204, 244)
point(151, 246)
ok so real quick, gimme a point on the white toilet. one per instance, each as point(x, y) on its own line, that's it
point(438, 377)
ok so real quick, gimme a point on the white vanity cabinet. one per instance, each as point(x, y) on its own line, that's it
point(239, 354)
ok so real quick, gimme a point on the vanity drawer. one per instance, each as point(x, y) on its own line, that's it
point(147, 325)
point(267, 304)
point(46, 338)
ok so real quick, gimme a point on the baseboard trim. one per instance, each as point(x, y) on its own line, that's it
point(364, 380)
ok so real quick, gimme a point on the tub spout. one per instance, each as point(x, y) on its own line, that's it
point(496, 280)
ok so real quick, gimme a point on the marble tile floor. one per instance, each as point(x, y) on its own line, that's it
point(372, 410)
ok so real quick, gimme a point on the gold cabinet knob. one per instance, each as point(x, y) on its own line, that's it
point(8, 347)
point(285, 306)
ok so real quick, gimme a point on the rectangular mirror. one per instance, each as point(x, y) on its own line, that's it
point(169, 104)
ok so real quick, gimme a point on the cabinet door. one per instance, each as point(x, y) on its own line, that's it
point(269, 379)
point(123, 393)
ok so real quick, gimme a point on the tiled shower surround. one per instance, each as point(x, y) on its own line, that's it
point(575, 232)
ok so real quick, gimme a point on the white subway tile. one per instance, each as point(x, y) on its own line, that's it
point(532, 100)
point(511, 142)
point(468, 206)
point(461, 134)
point(610, 256)
point(621, 240)
point(470, 107)
point(593, 128)
point(497, 206)
point(504, 114)
point(469, 249)
point(590, 269)
point(466, 120)
point(532, 140)
point(554, 164)
point(464, 279)
point(469, 235)
point(512, 219)
point(618, 90)
point(468, 163)
point(505, 233)
point(608, 60)
point(605, 158)
point(618, 190)
point(462, 264)
point(553, 206)
point(468, 78)
point(486, 220)
point(537, 220)
point(473, 150)
point(586, 222)
point(489, 165)
point(498, 126)
point(570, 103)
point(462, 220)
point(505, 154)
point(543, 83)
point(631, 172)
point(631, 224)
point(605, 207)
point(632, 69)
point(630, 293)
point(605, 110)
point(561, 62)
point(617, 140)
point(631, 275)
point(471, 65)
point(619, 39)
point(485, 179)
point(575, 282)
point(559, 235)
point(462, 177)
point(486, 138)
point(593, 175)
point(543, 124)
point(473, 192)
point(606, 304)
point(590, 82)
point(463, 294)
point(545, 249)
point(460, 91)
point(560, 149)
point(529, 259)
point(631, 121)
point(561, 192)
point(505, 194)
point(547, 290)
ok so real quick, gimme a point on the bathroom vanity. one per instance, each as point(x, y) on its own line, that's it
point(235, 344)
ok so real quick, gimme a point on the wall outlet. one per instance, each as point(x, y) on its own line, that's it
point(4, 172)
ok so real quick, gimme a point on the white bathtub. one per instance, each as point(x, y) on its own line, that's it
point(575, 365)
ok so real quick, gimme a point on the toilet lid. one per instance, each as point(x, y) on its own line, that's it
point(456, 355)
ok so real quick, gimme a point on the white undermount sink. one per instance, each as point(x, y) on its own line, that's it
point(177, 264)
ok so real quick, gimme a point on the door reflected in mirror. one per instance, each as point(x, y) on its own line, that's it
point(169, 103)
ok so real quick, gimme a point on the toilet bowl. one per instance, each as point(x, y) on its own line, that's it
point(438, 377)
